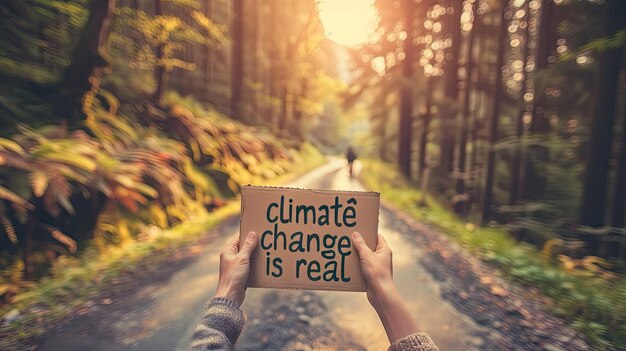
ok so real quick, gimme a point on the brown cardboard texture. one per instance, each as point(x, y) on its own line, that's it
point(304, 236)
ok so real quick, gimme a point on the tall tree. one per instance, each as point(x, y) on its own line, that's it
point(495, 115)
point(593, 205)
point(465, 115)
point(535, 177)
point(421, 159)
point(237, 58)
point(89, 58)
point(516, 185)
point(405, 131)
point(452, 25)
point(271, 49)
point(619, 200)
point(159, 72)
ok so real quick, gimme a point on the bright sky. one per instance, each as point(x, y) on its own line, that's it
point(348, 22)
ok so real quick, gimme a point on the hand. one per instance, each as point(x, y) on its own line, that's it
point(381, 292)
point(235, 268)
point(376, 267)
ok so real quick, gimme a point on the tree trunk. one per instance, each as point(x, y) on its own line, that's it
point(297, 112)
point(493, 121)
point(89, 55)
point(619, 201)
point(237, 59)
point(254, 31)
point(534, 176)
point(272, 55)
point(451, 90)
point(406, 97)
point(425, 126)
point(515, 184)
point(159, 73)
point(477, 110)
point(284, 110)
point(596, 175)
point(461, 167)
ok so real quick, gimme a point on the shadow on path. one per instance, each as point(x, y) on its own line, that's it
point(293, 320)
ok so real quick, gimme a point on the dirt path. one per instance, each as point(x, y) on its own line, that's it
point(158, 311)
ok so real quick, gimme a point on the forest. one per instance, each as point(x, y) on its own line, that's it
point(128, 126)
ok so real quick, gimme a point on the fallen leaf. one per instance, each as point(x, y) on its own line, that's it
point(498, 291)
point(487, 280)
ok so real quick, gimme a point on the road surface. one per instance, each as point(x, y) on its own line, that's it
point(161, 314)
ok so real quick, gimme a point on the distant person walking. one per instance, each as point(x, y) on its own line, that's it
point(351, 157)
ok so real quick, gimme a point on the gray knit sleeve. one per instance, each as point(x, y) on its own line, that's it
point(414, 342)
point(220, 326)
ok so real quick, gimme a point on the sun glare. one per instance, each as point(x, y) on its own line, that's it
point(348, 22)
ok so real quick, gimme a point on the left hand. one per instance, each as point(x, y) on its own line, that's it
point(235, 268)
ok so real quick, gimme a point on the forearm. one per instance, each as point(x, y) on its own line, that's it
point(399, 324)
point(396, 319)
point(220, 326)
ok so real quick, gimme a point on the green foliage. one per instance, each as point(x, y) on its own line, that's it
point(162, 167)
point(37, 37)
point(614, 41)
point(154, 41)
point(73, 280)
point(583, 291)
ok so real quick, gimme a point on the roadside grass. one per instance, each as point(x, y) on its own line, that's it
point(76, 279)
point(591, 299)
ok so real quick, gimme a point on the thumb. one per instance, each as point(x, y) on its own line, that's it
point(249, 245)
point(360, 245)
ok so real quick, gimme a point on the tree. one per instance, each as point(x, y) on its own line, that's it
point(535, 178)
point(159, 73)
point(89, 58)
point(593, 203)
point(465, 115)
point(516, 183)
point(619, 200)
point(164, 39)
point(405, 137)
point(426, 119)
point(237, 58)
point(452, 25)
point(495, 115)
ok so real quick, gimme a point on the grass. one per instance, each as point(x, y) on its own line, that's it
point(74, 280)
point(590, 299)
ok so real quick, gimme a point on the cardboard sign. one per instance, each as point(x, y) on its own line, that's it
point(304, 236)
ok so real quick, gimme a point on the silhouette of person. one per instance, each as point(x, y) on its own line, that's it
point(351, 157)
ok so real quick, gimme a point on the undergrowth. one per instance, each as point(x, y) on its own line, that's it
point(75, 279)
point(590, 299)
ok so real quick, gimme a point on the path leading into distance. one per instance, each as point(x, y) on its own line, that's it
point(161, 314)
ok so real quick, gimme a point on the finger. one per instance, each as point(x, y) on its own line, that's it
point(233, 245)
point(359, 243)
point(382, 243)
point(249, 245)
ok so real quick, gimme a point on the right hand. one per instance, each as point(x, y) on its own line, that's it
point(376, 267)
point(381, 292)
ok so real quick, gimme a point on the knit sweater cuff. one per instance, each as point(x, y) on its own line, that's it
point(224, 315)
point(414, 342)
point(224, 301)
